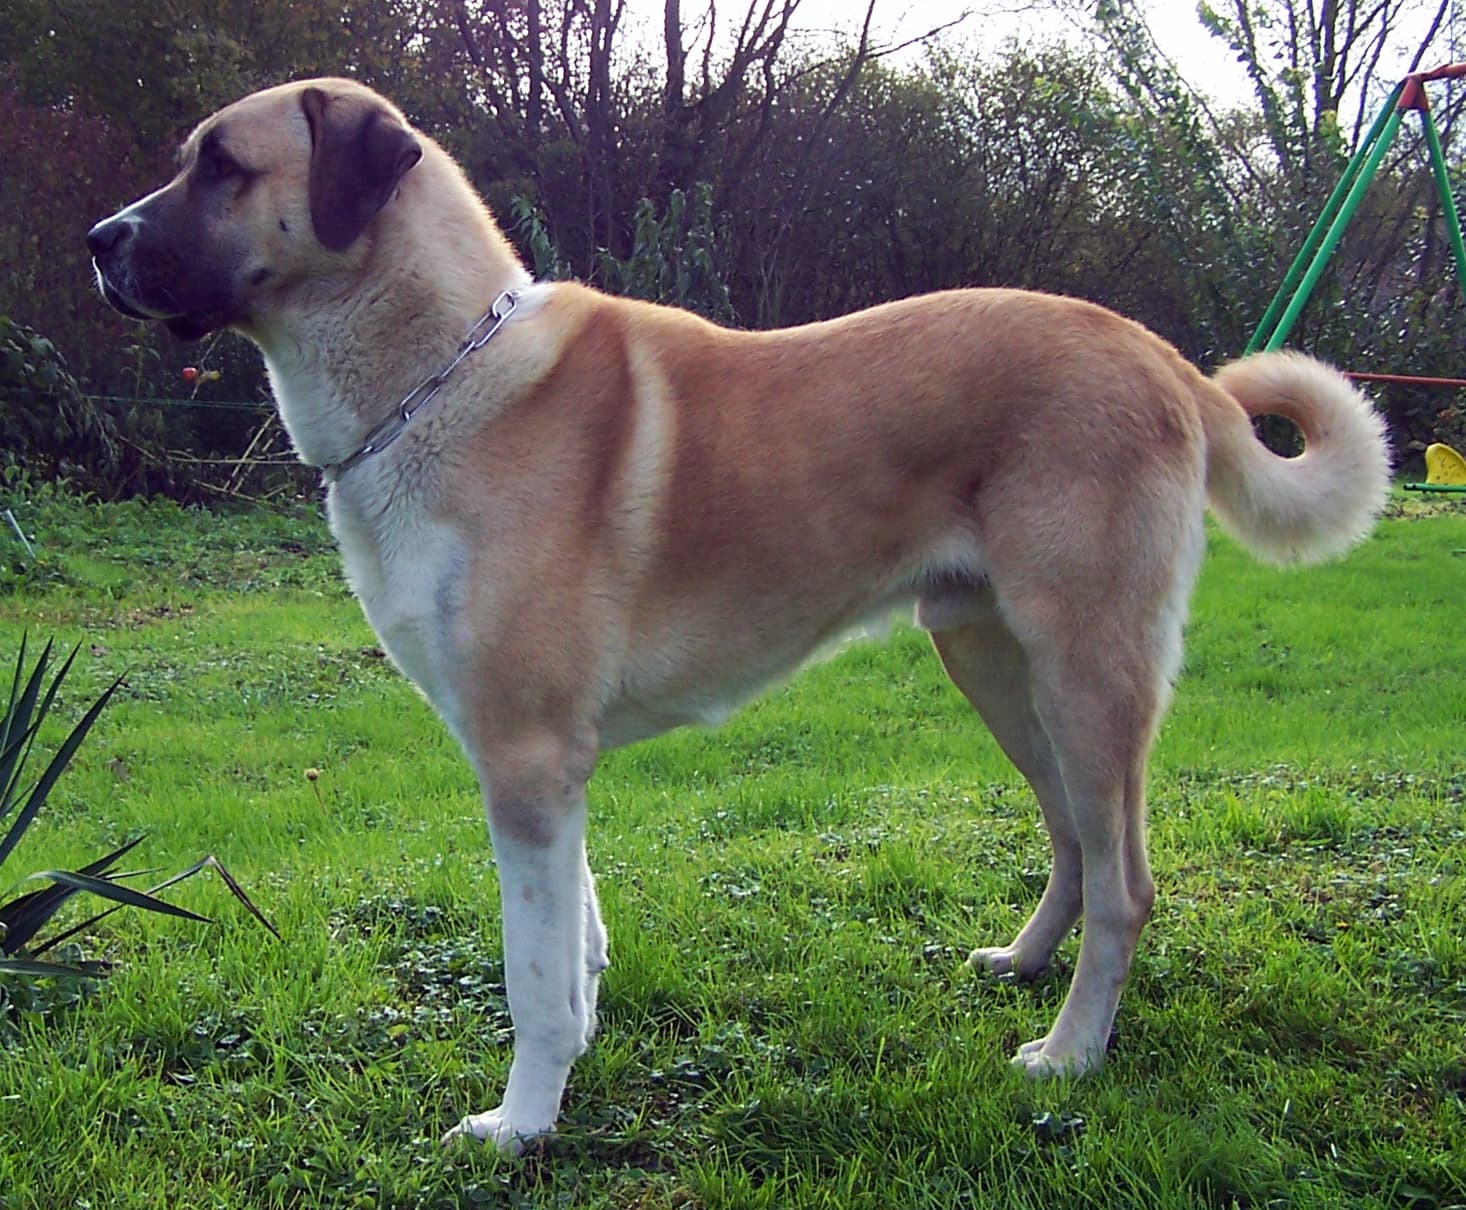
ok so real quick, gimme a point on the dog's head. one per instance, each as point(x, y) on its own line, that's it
point(273, 189)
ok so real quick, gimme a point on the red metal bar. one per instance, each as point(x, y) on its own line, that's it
point(1412, 89)
point(1414, 380)
point(1451, 71)
point(1412, 94)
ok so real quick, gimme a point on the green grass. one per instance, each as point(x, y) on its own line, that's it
point(787, 1021)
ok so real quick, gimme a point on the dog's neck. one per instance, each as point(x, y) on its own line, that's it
point(320, 352)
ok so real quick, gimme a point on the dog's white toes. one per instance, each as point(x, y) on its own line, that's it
point(996, 959)
point(1005, 960)
point(493, 1127)
point(1040, 1062)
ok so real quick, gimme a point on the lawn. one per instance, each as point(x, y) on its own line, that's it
point(787, 1021)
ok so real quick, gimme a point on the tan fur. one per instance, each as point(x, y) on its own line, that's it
point(617, 518)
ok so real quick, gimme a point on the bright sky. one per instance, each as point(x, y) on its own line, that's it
point(1203, 61)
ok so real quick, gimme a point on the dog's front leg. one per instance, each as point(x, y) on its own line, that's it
point(538, 831)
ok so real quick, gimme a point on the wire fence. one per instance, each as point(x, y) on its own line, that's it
point(8, 390)
point(257, 405)
point(266, 472)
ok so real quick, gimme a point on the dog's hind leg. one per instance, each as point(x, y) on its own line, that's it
point(1083, 641)
point(987, 663)
point(1100, 720)
point(1100, 673)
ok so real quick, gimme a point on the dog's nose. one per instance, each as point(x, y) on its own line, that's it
point(106, 235)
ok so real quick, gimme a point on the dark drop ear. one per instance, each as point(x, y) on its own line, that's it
point(359, 151)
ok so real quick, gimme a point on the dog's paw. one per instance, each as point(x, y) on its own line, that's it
point(1038, 1060)
point(496, 1128)
point(1006, 960)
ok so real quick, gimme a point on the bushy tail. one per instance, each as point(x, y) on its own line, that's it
point(1302, 509)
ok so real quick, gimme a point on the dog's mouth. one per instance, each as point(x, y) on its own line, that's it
point(185, 325)
point(117, 299)
point(196, 325)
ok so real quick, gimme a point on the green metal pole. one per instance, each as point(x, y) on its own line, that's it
point(1335, 233)
point(1448, 200)
point(1321, 224)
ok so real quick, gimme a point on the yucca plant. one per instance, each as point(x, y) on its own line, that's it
point(23, 918)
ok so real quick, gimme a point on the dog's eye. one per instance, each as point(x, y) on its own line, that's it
point(219, 166)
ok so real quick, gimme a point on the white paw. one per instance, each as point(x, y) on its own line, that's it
point(496, 1128)
point(1040, 1061)
point(1005, 960)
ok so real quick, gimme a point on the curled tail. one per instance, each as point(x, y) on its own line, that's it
point(1303, 509)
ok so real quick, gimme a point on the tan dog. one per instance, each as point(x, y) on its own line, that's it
point(614, 518)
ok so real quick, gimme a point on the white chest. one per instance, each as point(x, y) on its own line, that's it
point(408, 570)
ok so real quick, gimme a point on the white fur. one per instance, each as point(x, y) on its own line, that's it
point(1315, 506)
point(549, 976)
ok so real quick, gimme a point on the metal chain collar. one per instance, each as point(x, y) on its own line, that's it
point(379, 438)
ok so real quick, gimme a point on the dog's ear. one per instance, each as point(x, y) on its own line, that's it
point(359, 151)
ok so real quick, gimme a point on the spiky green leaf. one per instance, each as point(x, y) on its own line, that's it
point(119, 894)
point(58, 764)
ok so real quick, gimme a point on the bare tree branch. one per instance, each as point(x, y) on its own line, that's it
point(676, 57)
point(934, 32)
point(1430, 35)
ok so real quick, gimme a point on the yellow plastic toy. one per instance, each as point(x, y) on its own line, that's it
point(1444, 466)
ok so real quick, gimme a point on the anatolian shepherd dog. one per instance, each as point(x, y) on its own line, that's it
point(595, 519)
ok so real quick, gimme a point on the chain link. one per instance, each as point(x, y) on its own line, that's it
point(484, 329)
